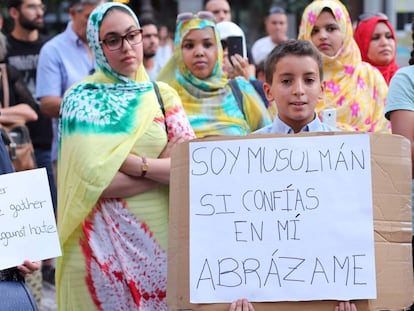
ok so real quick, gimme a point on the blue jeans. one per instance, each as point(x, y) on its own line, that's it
point(16, 296)
point(44, 159)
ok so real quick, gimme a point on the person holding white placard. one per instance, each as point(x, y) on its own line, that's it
point(14, 294)
point(296, 91)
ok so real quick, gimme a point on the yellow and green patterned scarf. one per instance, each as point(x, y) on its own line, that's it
point(210, 105)
point(101, 118)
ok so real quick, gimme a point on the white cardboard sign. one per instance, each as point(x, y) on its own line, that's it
point(27, 222)
point(281, 219)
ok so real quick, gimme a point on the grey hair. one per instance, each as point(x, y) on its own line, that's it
point(78, 5)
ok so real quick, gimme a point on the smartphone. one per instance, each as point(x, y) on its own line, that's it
point(235, 46)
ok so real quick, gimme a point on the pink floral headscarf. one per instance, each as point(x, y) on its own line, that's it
point(354, 88)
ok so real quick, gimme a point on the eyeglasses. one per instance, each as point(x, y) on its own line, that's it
point(224, 43)
point(368, 15)
point(276, 10)
point(188, 16)
point(115, 42)
point(35, 7)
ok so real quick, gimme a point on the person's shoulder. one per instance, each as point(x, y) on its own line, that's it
point(370, 69)
point(372, 74)
point(401, 90)
point(261, 41)
point(163, 86)
point(54, 45)
point(167, 92)
point(56, 39)
point(43, 38)
point(407, 71)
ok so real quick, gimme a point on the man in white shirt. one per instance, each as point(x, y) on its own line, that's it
point(276, 25)
point(150, 44)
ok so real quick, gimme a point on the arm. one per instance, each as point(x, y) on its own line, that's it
point(20, 113)
point(50, 82)
point(123, 186)
point(179, 130)
point(400, 104)
point(24, 108)
point(50, 106)
point(403, 124)
point(158, 169)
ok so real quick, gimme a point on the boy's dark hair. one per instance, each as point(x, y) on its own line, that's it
point(291, 47)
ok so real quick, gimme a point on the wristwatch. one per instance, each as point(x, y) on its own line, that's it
point(144, 166)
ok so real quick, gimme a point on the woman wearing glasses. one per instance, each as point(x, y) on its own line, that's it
point(114, 170)
point(376, 39)
point(213, 106)
point(354, 89)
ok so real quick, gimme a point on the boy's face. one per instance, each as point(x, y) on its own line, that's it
point(296, 89)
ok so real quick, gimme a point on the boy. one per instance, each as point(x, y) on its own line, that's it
point(294, 74)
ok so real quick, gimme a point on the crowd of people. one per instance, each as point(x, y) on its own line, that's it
point(108, 99)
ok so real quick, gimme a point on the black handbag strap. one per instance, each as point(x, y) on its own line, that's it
point(160, 102)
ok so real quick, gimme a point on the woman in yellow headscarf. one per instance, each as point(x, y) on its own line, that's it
point(212, 105)
point(355, 89)
point(113, 170)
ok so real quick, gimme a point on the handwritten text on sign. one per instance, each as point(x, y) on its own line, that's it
point(281, 219)
point(27, 222)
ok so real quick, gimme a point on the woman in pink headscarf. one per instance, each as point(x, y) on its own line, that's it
point(376, 39)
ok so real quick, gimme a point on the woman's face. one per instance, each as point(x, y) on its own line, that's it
point(326, 34)
point(127, 58)
point(381, 49)
point(199, 48)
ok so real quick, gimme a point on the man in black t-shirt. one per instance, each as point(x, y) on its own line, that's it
point(24, 44)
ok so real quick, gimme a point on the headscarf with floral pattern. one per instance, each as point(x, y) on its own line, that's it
point(354, 88)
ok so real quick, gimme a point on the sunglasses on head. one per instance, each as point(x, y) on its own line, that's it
point(366, 16)
point(188, 16)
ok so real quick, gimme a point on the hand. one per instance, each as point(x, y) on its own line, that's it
point(28, 267)
point(240, 67)
point(166, 153)
point(241, 305)
point(346, 306)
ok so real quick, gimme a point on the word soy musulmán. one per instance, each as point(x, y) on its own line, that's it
point(265, 159)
